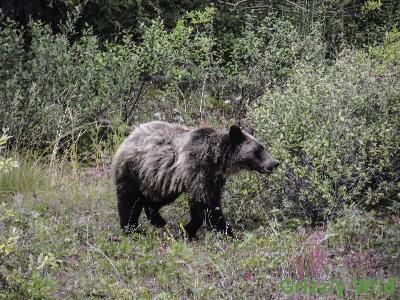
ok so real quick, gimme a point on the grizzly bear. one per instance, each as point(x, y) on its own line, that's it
point(159, 160)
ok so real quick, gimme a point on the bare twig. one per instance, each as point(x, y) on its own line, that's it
point(138, 93)
point(117, 275)
point(202, 97)
point(234, 5)
point(297, 5)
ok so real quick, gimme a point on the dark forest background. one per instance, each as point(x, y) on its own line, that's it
point(354, 22)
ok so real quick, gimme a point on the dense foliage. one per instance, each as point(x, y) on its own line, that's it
point(55, 94)
point(358, 22)
point(337, 129)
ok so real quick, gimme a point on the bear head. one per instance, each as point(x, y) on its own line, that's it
point(248, 153)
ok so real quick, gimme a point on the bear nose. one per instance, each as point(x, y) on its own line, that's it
point(270, 166)
point(274, 164)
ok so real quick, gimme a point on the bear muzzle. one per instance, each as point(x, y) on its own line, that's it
point(270, 166)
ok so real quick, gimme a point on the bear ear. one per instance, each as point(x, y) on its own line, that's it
point(236, 134)
point(249, 130)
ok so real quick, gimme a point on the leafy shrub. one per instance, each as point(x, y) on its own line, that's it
point(63, 93)
point(22, 273)
point(6, 164)
point(53, 94)
point(336, 130)
point(389, 52)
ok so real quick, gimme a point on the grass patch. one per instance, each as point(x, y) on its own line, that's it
point(59, 238)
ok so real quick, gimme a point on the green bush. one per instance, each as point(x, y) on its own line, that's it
point(66, 90)
point(336, 130)
point(57, 91)
point(6, 164)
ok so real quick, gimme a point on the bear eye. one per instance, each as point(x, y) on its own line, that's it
point(258, 152)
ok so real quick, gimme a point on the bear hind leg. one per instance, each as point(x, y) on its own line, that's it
point(130, 205)
point(153, 214)
point(197, 215)
point(152, 209)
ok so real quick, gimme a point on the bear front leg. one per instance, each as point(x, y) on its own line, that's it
point(205, 198)
point(216, 220)
point(197, 214)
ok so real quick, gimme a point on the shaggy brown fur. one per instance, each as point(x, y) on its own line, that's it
point(158, 161)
